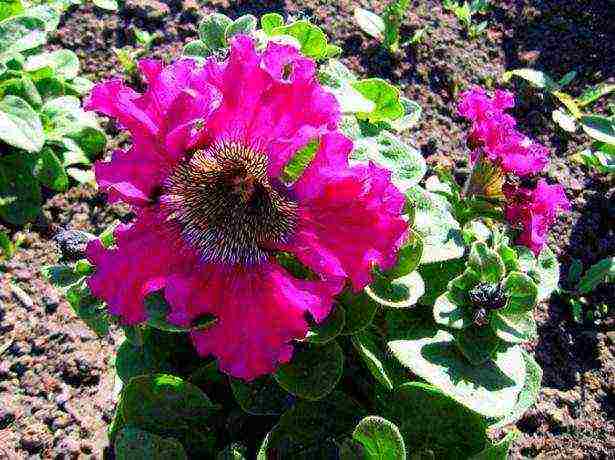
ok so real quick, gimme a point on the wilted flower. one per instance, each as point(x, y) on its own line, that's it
point(494, 132)
point(203, 175)
point(536, 210)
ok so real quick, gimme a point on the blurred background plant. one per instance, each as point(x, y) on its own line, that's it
point(466, 12)
point(386, 28)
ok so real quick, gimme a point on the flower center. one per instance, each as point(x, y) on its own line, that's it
point(226, 207)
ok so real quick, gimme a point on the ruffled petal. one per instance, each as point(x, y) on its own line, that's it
point(145, 255)
point(259, 311)
point(270, 100)
point(349, 218)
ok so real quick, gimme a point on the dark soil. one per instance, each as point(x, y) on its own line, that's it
point(55, 388)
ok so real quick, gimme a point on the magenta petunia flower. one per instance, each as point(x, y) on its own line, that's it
point(536, 210)
point(203, 176)
point(494, 132)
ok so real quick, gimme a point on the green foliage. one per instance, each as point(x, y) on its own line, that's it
point(386, 28)
point(466, 11)
point(48, 136)
point(570, 115)
point(490, 389)
point(380, 438)
point(170, 407)
point(135, 444)
point(262, 396)
point(331, 327)
point(429, 420)
point(313, 372)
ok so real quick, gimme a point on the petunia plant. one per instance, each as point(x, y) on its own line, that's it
point(46, 137)
point(291, 286)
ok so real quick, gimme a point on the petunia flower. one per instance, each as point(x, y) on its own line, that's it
point(536, 210)
point(204, 178)
point(494, 133)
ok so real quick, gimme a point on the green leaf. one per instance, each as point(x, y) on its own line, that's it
point(487, 263)
point(270, 21)
point(21, 33)
point(83, 176)
point(196, 48)
point(403, 292)
point(478, 344)
point(233, 452)
point(88, 308)
point(135, 444)
point(600, 128)
point(529, 392)
point(522, 294)
point(245, 24)
point(109, 5)
point(387, 150)
point(432, 422)
point(373, 357)
point(370, 23)
point(81, 85)
point(544, 271)
point(490, 389)
point(150, 357)
point(20, 193)
point(7, 247)
point(329, 328)
point(535, 77)
point(380, 438)
point(450, 313)
point(384, 95)
point(408, 256)
point(439, 274)
point(514, 328)
point(170, 407)
point(24, 88)
point(333, 51)
point(601, 272)
point(10, 8)
point(262, 396)
point(64, 63)
point(498, 451)
point(306, 430)
point(20, 125)
point(410, 118)
point(61, 275)
point(360, 311)
point(299, 162)
point(313, 41)
point(564, 121)
point(592, 94)
point(313, 372)
point(157, 313)
point(49, 170)
point(212, 31)
point(49, 14)
point(442, 237)
point(574, 271)
point(567, 79)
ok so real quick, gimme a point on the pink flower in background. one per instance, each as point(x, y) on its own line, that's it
point(536, 210)
point(495, 132)
point(203, 176)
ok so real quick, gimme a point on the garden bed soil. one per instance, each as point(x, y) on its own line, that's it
point(55, 384)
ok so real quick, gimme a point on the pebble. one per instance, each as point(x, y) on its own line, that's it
point(6, 417)
point(21, 296)
point(31, 442)
point(73, 243)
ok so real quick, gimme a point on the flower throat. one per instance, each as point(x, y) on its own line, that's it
point(226, 207)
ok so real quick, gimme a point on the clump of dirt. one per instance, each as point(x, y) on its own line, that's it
point(55, 388)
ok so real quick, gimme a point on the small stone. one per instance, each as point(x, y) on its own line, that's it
point(62, 421)
point(73, 243)
point(6, 417)
point(67, 447)
point(21, 296)
point(32, 442)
